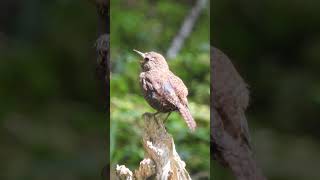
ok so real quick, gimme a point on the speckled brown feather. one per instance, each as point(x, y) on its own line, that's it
point(164, 91)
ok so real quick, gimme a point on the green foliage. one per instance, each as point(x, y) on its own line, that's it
point(151, 26)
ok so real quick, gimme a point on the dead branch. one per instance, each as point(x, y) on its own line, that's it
point(185, 29)
point(161, 160)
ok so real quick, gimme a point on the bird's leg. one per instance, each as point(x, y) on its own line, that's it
point(166, 117)
point(156, 113)
point(155, 117)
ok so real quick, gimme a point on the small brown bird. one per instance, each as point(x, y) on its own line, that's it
point(164, 91)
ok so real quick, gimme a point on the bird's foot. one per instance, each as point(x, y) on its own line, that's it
point(156, 113)
point(164, 121)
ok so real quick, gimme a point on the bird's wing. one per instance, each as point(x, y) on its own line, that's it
point(164, 85)
point(169, 93)
point(159, 83)
point(179, 87)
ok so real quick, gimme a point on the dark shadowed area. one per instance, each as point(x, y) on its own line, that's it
point(275, 46)
point(52, 107)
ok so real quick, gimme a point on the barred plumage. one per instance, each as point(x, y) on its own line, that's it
point(164, 91)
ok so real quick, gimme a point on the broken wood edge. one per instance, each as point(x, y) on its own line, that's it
point(161, 160)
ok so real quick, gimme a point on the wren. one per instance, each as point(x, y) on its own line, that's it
point(164, 91)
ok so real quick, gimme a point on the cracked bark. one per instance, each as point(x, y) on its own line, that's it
point(161, 161)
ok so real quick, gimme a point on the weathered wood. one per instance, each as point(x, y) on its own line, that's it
point(161, 161)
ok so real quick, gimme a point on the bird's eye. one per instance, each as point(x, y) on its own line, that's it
point(146, 59)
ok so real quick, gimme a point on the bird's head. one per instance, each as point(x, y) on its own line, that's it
point(152, 60)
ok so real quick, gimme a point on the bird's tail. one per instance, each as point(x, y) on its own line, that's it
point(185, 113)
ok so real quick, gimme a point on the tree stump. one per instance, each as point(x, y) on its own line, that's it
point(161, 161)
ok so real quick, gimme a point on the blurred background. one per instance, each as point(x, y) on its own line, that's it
point(275, 46)
point(53, 120)
point(149, 25)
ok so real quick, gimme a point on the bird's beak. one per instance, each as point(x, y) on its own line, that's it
point(141, 54)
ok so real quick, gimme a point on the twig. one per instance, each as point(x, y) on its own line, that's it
point(185, 29)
